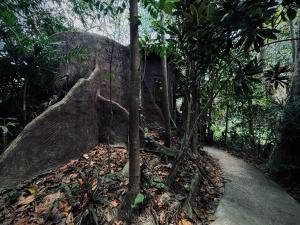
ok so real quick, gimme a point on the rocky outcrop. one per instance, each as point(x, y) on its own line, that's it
point(84, 51)
point(84, 116)
point(110, 55)
point(112, 121)
point(64, 131)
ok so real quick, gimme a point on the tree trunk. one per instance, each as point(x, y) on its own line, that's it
point(294, 42)
point(226, 125)
point(209, 133)
point(165, 83)
point(24, 103)
point(134, 102)
point(251, 125)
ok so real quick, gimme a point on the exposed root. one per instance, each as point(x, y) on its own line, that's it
point(150, 145)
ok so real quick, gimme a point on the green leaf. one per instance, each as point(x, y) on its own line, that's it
point(138, 200)
point(4, 129)
point(267, 33)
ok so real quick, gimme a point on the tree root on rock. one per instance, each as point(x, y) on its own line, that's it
point(151, 145)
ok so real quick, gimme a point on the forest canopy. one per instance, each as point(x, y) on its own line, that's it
point(234, 83)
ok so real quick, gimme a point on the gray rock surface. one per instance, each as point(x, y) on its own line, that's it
point(64, 131)
point(81, 120)
point(251, 198)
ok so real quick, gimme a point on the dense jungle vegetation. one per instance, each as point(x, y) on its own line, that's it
point(236, 67)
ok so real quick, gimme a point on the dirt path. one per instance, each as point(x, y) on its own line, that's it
point(250, 198)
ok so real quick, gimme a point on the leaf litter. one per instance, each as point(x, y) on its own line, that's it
point(94, 186)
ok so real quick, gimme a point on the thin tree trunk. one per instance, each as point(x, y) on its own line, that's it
point(110, 101)
point(195, 136)
point(209, 135)
point(294, 42)
point(298, 41)
point(251, 125)
point(166, 104)
point(3, 141)
point(226, 125)
point(134, 102)
point(24, 104)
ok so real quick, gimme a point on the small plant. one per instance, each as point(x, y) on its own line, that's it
point(6, 125)
point(157, 183)
point(139, 199)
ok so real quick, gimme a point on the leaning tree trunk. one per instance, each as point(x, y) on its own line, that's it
point(166, 104)
point(134, 141)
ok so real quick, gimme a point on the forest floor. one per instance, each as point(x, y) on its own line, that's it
point(251, 198)
point(94, 186)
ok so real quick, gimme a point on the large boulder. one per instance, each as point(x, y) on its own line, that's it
point(110, 55)
point(85, 116)
point(84, 51)
point(64, 131)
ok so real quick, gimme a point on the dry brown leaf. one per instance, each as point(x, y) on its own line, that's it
point(185, 222)
point(162, 217)
point(85, 199)
point(22, 221)
point(25, 200)
point(114, 203)
point(118, 222)
point(80, 181)
point(70, 219)
point(64, 207)
point(48, 201)
point(21, 208)
point(109, 215)
point(94, 184)
point(86, 156)
point(68, 179)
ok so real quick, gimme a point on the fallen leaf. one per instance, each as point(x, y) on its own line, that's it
point(32, 189)
point(64, 207)
point(48, 201)
point(22, 221)
point(114, 203)
point(70, 219)
point(212, 217)
point(118, 222)
point(109, 215)
point(94, 184)
point(185, 222)
point(162, 217)
point(85, 199)
point(163, 199)
point(25, 200)
point(80, 181)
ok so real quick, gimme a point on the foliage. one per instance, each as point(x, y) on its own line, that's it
point(27, 49)
point(139, 199)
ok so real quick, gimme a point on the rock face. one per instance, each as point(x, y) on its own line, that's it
point(114, 57)
point(63, 132)
point(82, 119)
point(111, 57)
